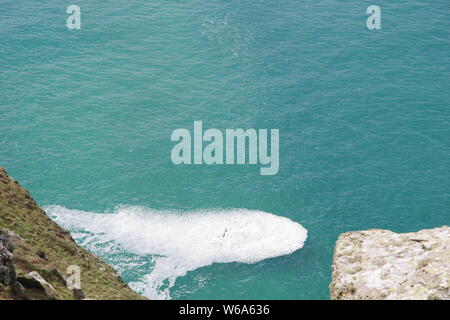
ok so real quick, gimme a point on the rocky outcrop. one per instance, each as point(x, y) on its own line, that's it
point(7, 270)
point(380, 264)
point(37, 256)
point(34, 280)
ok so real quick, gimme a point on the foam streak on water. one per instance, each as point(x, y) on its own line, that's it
point(183, 241)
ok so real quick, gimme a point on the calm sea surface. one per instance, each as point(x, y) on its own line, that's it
point(364, 117)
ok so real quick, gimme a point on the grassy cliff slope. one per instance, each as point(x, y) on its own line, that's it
point(39, 244)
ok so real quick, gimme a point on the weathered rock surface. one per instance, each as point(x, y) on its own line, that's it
point(7, 271)
point(35, 280)
point(380, 264)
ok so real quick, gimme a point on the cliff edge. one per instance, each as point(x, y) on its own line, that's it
point(380, 264)
point(35, 255)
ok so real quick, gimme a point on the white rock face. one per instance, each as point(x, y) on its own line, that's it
point(34, 280)
point(380, 264)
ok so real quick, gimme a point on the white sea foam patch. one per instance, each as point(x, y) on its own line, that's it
point(184, 241)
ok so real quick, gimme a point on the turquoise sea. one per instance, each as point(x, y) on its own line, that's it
point(86, 118)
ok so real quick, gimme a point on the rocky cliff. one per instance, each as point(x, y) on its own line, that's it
point(380, 264)
point(35, 255)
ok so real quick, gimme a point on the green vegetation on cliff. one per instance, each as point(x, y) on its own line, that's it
point(40, 245)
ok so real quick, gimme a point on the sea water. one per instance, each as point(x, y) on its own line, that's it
point(86, 118)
